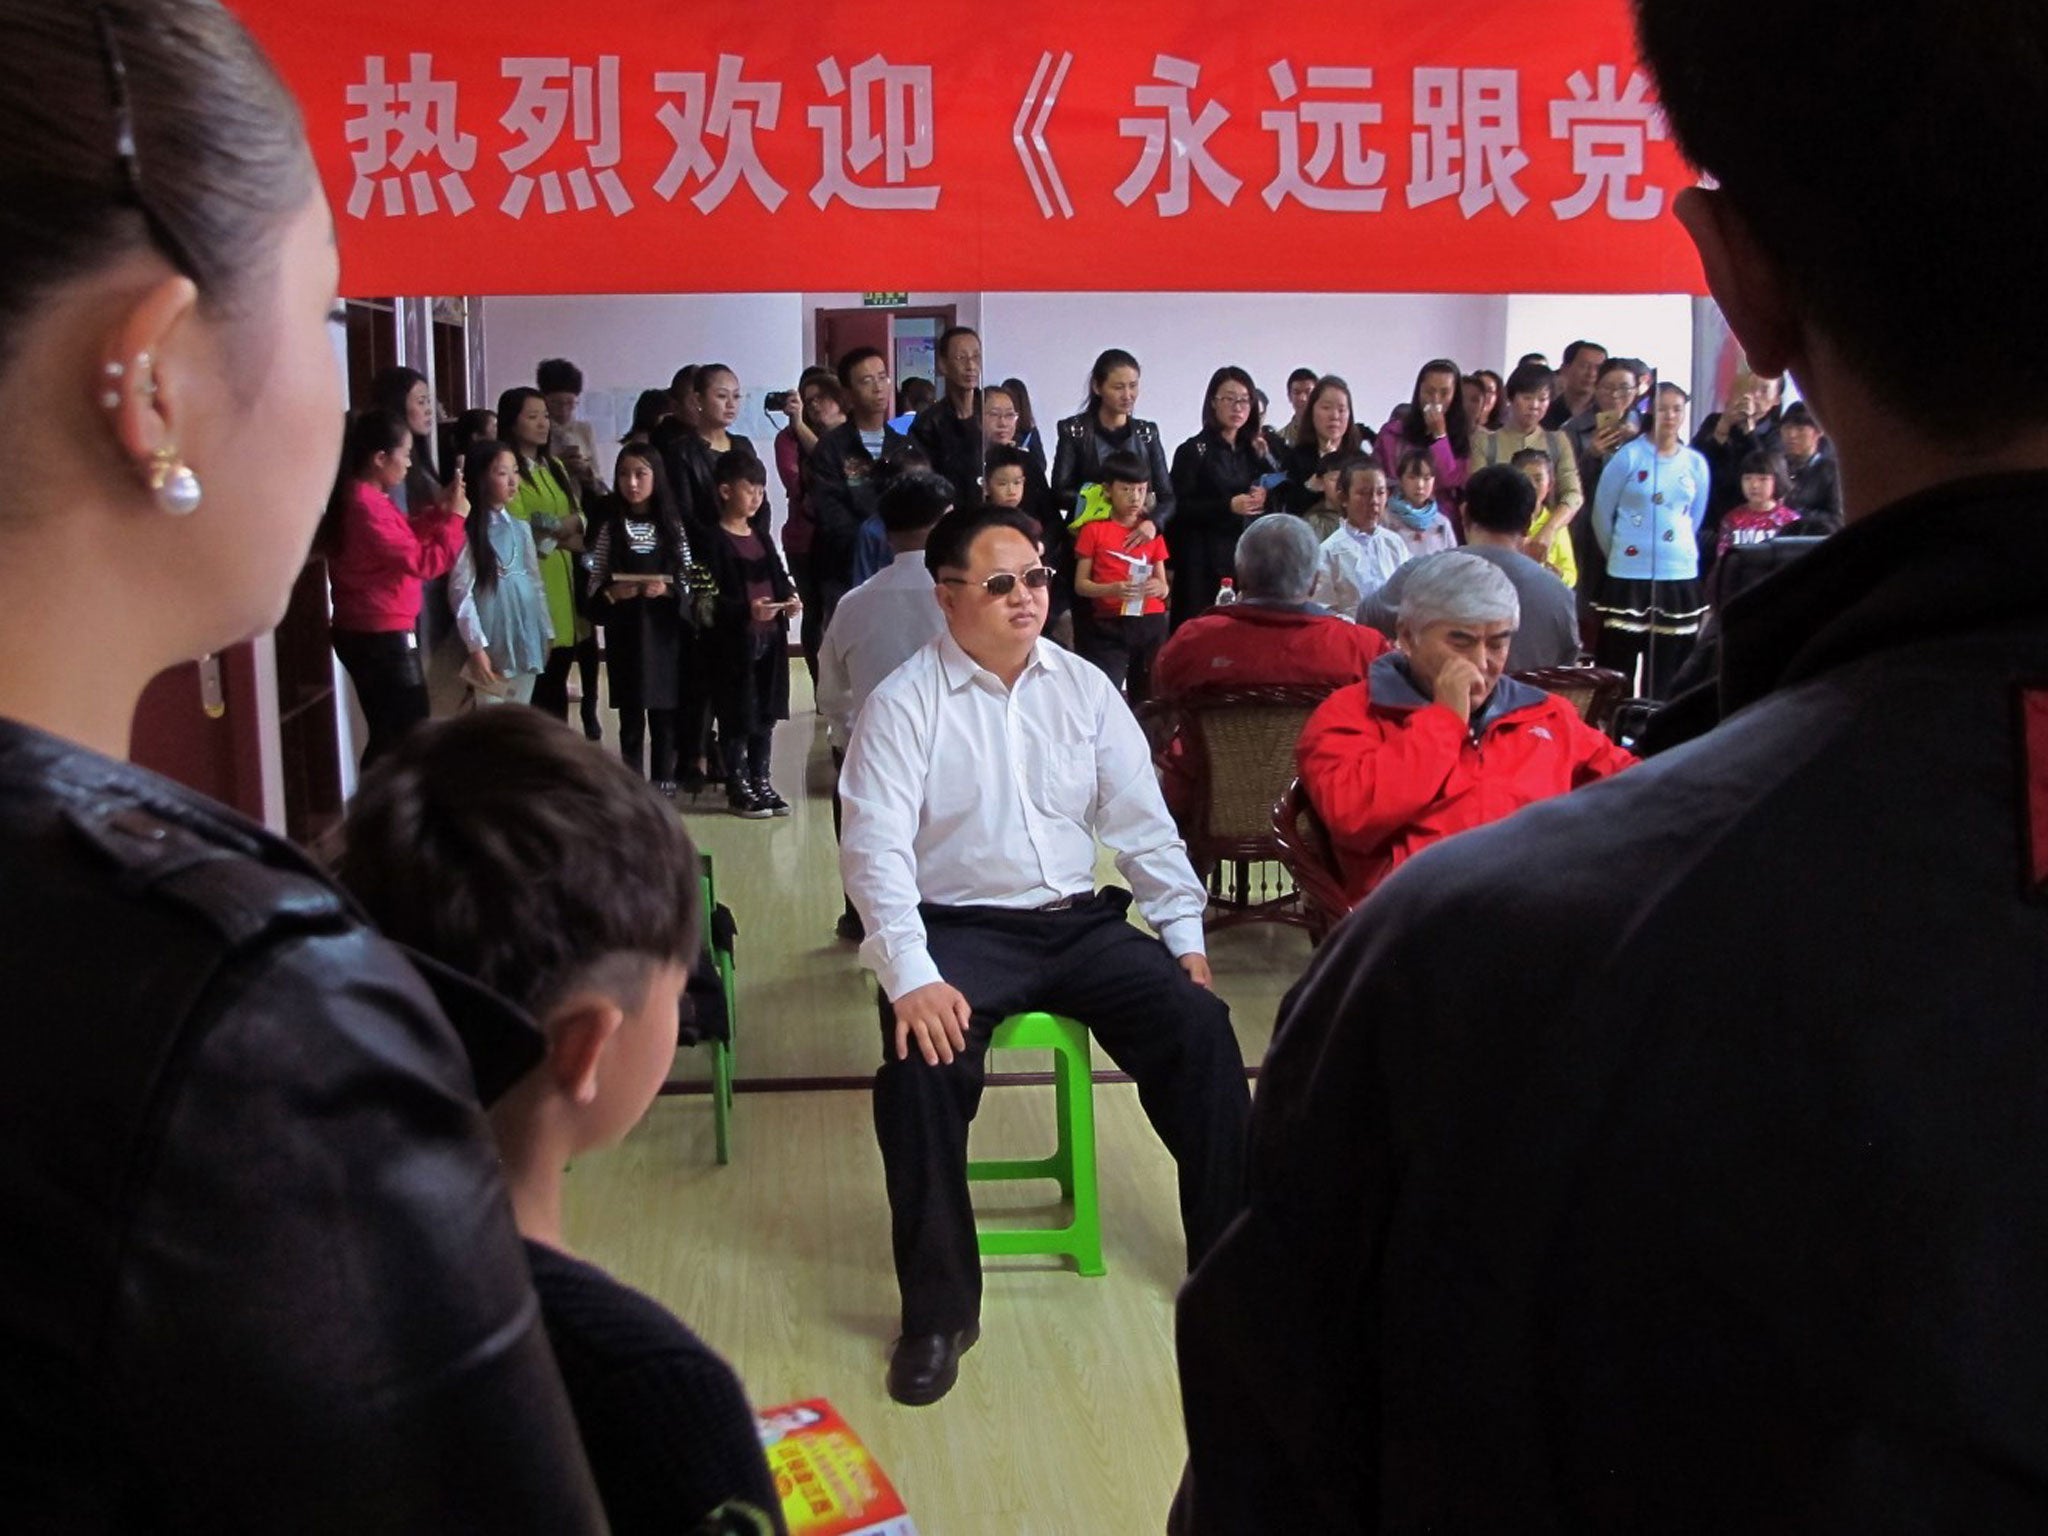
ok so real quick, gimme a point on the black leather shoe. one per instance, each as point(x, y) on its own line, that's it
point(924, 1366)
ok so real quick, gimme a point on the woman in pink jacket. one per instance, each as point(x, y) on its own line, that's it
point(377, 557)
point(1435, 421)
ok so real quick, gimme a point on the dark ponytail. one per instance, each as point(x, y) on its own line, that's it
point(1105, 365)
point(218, 162)
point(369, 434)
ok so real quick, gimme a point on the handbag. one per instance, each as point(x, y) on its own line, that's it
point(699, 594)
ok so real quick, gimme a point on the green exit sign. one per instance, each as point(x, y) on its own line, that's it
point(884, 300)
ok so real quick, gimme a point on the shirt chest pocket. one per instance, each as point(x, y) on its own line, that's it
point(1060, 779)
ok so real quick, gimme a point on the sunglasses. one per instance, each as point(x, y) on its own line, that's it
point(1003, 583)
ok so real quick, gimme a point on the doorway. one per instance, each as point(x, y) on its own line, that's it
point(908, 338)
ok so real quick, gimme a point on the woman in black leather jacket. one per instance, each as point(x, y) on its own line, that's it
point(1218, 490)
point(1104, 426)
point(258, 1269)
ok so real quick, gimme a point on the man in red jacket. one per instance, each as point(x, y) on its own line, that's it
point(1436, 740)
point(1272, 634)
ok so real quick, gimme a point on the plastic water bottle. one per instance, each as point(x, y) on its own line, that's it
point(1226, 594)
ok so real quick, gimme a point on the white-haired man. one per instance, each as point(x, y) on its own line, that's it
point(1436, 740)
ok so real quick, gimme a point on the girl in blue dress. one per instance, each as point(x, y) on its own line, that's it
point(501, 606)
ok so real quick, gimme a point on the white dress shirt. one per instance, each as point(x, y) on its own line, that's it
point(877, 627)
point(960, 792)
point(1351, 566)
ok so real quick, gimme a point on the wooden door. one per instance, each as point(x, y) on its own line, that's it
point(198, 723)
point(840, 331)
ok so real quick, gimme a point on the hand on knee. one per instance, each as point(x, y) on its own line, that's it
point(935, 1016)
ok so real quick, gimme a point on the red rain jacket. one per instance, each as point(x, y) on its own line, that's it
point(1390, 771)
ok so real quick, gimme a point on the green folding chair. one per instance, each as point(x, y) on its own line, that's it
point(721, 1050)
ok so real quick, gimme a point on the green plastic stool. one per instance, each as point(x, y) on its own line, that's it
point(1072, 1162)
point(721, 1050)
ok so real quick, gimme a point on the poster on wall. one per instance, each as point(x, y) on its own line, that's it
point(1397, 148)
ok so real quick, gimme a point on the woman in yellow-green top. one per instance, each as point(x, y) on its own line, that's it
point(547, 500)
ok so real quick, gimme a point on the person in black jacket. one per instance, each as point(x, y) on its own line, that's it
point(589, 920)
point(1816, 490)
point(1329, 427)
point(842, 470)
point(1104, 426)
point(259, 1271)
point(636, 583)
point(715, 406)
point(1598, 1186)
point(1217, 490)
point(1747, 424)
point(949, 430)
point(671, 434)
point(746, 668)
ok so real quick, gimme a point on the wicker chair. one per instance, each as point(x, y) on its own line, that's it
point(1305, 849)
point(1236, 748)
point(1595, 692)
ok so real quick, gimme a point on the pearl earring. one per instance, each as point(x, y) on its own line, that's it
point(176, 488)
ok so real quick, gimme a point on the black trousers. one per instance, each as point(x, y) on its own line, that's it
point(391, 685)
point(551, 688)
point(1089, 963)
point(811, 626)
point(832, 585)
point(635, 727)
point(587, 658)
point(1124, 648)
point(746, 757)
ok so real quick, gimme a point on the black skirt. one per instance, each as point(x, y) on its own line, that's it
point(1631, 606)
point(646, 642)
point(645, 652)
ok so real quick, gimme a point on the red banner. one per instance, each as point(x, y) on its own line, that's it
point(643, 146)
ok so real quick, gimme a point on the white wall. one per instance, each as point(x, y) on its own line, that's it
point(1375, 341)
point(629, 342)
point(1657, 327)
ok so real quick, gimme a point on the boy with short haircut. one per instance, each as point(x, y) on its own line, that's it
point(498, 844)
point(1003, 480)
point(1127, 622)
point(1013, 481)
point(1326, 515)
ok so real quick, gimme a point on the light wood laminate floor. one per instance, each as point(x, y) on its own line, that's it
point(1066, 1419)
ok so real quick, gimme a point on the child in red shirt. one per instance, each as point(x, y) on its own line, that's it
point(1127, 622)
point(1763, 514)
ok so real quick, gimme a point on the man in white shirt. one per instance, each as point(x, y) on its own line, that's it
point(888, 618)
point(881, 624)
point(981, 774)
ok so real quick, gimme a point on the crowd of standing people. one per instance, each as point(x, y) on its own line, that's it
point(672, 560)
point(1591, 1184)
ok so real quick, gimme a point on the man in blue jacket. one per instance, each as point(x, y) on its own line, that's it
point(1671, 1156)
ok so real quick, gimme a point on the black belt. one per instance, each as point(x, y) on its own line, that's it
point(1068, 903)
